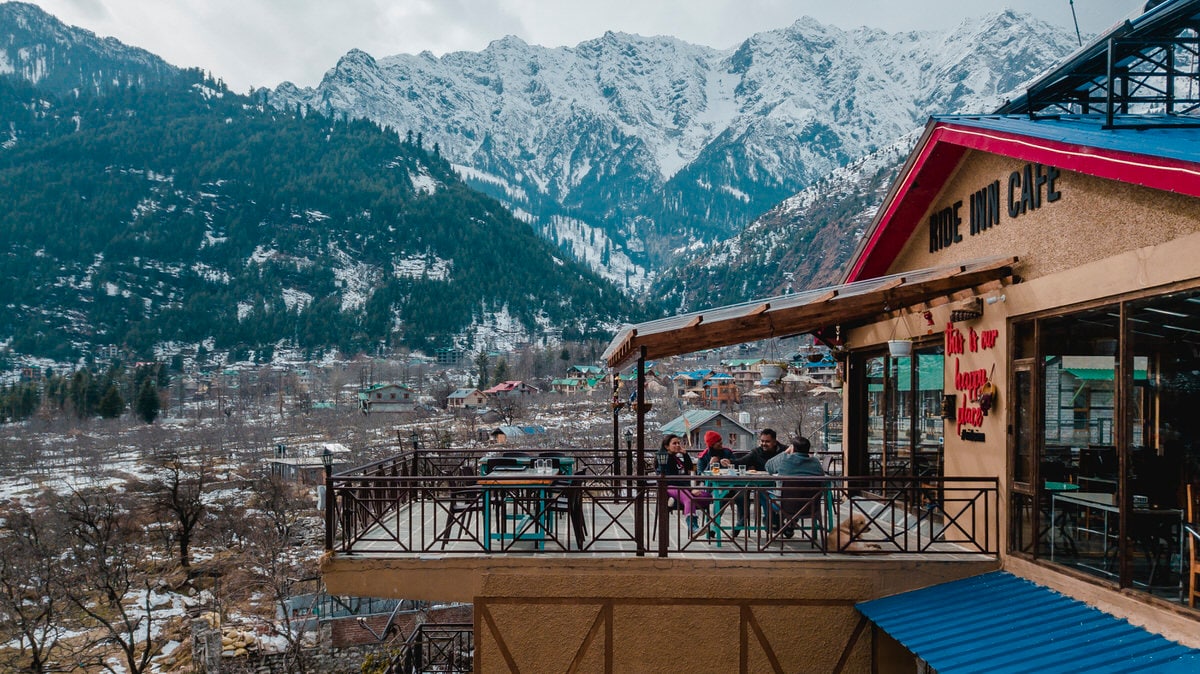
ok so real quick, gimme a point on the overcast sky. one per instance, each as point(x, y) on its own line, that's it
point(264, 42)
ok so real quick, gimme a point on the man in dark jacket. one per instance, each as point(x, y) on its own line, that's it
point(767, 449)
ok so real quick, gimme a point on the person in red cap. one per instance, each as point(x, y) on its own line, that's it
point(717, 454)
point(714, 451)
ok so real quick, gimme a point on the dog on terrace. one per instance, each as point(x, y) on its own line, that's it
point(844, 537)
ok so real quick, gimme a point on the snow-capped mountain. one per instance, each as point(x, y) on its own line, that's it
point(624, 148)
point(148, 209)
point(804, 242)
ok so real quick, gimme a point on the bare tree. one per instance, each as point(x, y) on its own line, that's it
point(105, 584)
point(178, 492)
point(30, 605)
point(272, 559)
point(510, 408)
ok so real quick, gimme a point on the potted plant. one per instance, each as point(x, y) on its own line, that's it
point(900, 348)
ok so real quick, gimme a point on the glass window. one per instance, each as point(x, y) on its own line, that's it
point(1120, 436)
point(1163, 434)
point(902, 413)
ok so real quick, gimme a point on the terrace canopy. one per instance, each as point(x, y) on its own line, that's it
point(807, 311)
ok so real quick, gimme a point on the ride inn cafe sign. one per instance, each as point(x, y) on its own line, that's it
point(1027, 189)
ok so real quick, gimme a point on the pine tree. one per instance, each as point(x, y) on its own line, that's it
point(147, 401)
point(111, 404)
point(481, 365)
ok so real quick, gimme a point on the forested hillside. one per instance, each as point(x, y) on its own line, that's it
point(138, 217)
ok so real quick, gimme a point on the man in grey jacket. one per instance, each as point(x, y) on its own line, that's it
point(797, 501)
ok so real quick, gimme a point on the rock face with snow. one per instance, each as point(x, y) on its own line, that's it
point(41, 50)
point(804, 242)
point(624, 148)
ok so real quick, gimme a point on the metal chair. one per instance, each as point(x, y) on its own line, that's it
point(568, 500)
point(463, 501)
point(491, 463)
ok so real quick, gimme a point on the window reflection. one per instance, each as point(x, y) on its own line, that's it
point(902, 413)
point(1083, 485)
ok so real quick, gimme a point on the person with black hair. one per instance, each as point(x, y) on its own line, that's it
point(795, 501)
point(679, 463)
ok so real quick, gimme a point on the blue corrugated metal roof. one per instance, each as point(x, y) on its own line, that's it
point(998, 622)
point(1088, 130)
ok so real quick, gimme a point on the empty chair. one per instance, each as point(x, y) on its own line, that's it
point(568, 500)
point(463, 501)
point(563, 463)
point(490, 464)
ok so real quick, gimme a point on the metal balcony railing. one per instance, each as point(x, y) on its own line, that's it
point(434, 502)
point(436, 647)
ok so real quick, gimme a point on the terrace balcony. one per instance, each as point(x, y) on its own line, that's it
point(427, 503)
point(607, 557)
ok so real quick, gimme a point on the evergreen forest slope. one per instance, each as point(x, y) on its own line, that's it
point(176, 212)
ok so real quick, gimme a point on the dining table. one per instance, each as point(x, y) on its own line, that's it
point(517, 500)
point(727, 483)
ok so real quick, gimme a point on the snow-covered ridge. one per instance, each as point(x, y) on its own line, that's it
point(633, 134)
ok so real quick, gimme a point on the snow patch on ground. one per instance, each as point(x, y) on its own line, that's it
point(296, 300)
point(428, 266)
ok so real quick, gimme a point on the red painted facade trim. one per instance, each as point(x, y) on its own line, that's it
point(947, 143)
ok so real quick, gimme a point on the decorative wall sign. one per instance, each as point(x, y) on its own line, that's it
point(978, 392)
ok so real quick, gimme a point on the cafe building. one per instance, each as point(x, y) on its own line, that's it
point(1018, 341)
point(1026, 305)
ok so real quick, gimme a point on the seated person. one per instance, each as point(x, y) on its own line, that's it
point(796, 501)
point(767, 449)
point(717, 455)
point(756, 459)
point(714, 452)
point(679, 463)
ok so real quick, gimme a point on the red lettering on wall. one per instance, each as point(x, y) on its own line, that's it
point(954, 340)
point(969, 381)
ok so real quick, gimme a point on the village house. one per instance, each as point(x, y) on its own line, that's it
point(746, 372)
point(387, 398)
point(693, 424)
point(466, 399)
point(721, 390)
point(510, 389)
point(692, 381)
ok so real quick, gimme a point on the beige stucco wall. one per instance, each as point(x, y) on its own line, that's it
point(1095, 219)
point(699, 614)
point(1102, 239)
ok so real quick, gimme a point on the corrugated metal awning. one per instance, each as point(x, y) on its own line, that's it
point(998, 622)
point(800, 312)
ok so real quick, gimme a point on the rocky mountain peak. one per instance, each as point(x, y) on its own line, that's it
point(646, 144)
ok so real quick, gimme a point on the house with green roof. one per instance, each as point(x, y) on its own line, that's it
point(693, 424)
